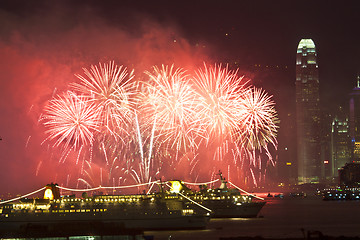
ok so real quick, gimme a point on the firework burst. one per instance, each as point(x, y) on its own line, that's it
point(239, 121)
point(170, 106)
point(177, 121)
point(258, 120)
point(71, 119)
point(220, 91)
point(111, 88)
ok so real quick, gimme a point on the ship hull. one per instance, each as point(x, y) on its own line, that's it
point(53, 226)
point(246, 210)
point(99, 215)
point(221, 209)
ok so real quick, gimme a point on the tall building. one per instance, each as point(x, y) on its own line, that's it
point(355, 122)
point(340, 144)
point(307, 113)
point(326, 146)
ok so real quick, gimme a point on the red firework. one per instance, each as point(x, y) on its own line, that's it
point(258, 120)
point(71, 119)
point(111, 88)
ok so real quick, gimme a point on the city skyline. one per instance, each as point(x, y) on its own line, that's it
point(261, 37)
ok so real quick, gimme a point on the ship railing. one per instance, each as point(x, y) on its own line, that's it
point(102, 187)
point(204, 183)
point(214, 181)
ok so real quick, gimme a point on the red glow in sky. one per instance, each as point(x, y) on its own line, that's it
point(39, 58)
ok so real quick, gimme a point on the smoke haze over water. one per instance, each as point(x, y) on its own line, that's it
point(41, 50)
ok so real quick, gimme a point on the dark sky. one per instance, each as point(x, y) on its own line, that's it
point(44, 43)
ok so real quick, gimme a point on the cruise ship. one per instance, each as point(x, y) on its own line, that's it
point(223, 202)
point(97, 215)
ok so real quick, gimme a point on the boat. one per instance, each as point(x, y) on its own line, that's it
point(223, 202)
point(55, 216)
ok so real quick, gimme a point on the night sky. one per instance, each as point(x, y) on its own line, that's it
point(44, 43)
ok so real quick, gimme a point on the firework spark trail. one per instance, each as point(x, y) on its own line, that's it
point(170, 99)
point(79, 153)
point(235, 117)
point(109, 171)
point(139, 137)
point(112, 89)
point(38, 168)
point(167, 111)
point(144, 163)
point(88, 173)
point(27, 141)
point(220, 91)
point(113, 167)
point(148, 162)
point(258, 120)
point(253, 176)
point(212, 110)
point(90, 176)
point(193, 163)
point(71, 119)
point(102, 147)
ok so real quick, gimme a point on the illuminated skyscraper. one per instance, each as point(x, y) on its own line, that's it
point(355, 122)
point(307, 113)
point(340, 147)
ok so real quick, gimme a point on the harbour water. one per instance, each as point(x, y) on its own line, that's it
point(282, 218)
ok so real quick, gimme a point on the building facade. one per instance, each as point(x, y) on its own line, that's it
point(349, 175)
point(307, 113)
point(340, 144)
point(355, 122)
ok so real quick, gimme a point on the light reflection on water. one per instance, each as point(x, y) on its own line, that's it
point(214, 220)
point(282, 218)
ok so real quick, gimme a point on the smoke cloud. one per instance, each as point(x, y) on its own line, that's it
point(40, 52)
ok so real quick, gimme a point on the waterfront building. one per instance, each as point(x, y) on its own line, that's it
point(340, 143)
point(355, 122)
point(326, 148)
point(307, 113)
point(349, 175)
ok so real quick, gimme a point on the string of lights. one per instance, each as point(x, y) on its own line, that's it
point(207, 209)
point(101, 187)
point(23, 196)
point(152, 185)
point(246, 192)
point(205, 183)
